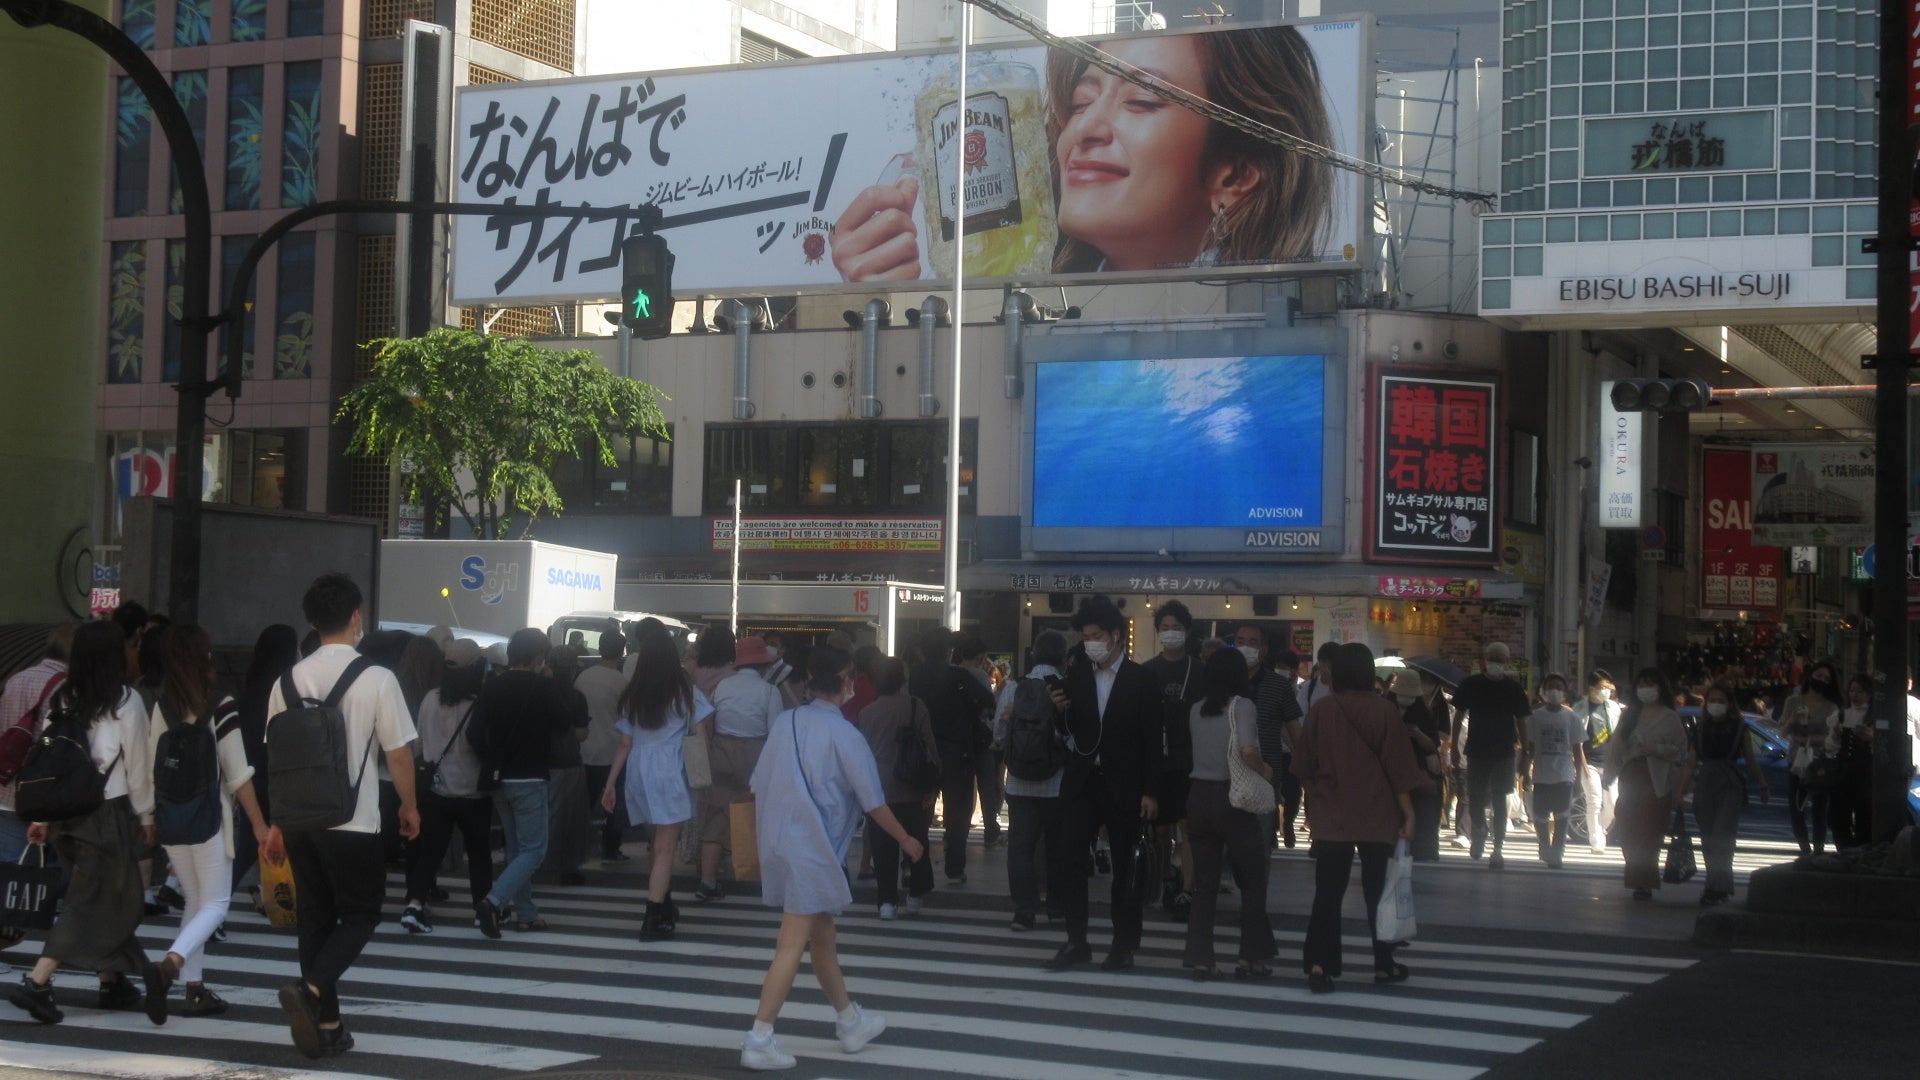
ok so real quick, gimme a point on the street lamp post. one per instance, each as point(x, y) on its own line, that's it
point(952, 606)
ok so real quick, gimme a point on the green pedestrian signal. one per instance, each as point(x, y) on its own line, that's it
point(646, 285)
point(642, 305)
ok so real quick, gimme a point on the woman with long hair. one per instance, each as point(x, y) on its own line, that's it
point(100, 913)
point(1850, 742)
point(1145, 183)
point(275, 652)
point(813, 782)
point(1222, 716)
point(659, 708)
point(1354, 759)
point(1651, 756)
point(205, 869)
point(1808, 717)
point(451, 796)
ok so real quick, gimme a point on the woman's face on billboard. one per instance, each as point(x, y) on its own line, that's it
point(1130, 177)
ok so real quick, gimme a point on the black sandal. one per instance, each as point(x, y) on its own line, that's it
point(1252, 971)
point(1210, 973)
point(1321, 983)
point(1398, 973)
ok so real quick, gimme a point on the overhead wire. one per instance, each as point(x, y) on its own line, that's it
point(1119, 68)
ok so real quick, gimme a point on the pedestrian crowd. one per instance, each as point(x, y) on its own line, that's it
point(351, 752)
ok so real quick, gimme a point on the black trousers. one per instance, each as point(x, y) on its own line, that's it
point(339, 879)
point(1033, 836)
point(1850, 809)
point(439, 816)
point(989, 775)
point(1081, 816)
point(1806, 804)
point(915, 818)
point(1489, 782)
point(1214, 828)
point(613, 829)
point(957, 778)
point(1332, 867)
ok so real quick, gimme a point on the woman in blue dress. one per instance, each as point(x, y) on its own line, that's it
point(815, 779)
point(659, 707)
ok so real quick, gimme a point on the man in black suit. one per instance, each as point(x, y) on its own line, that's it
point(1112, 712)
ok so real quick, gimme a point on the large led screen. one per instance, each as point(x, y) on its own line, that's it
point(1196, 442)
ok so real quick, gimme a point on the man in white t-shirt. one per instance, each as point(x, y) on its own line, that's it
point(339, 874)
point(602, 684)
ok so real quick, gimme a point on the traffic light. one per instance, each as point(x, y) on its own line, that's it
point(1661, 395)
point(646, 286)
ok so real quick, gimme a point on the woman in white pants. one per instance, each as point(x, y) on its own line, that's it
point(205, 869)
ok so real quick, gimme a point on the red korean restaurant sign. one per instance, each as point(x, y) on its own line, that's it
point(1734, 571)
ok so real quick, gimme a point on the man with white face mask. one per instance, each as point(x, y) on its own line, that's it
point(1182, 682)
point(1598, 713)
point(1493, 706)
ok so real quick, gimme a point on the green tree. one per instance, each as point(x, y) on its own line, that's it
point(483, 418)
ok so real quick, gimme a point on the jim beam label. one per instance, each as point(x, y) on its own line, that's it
point(990, 172)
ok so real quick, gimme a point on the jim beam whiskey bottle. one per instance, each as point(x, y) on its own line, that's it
point(1010, 225)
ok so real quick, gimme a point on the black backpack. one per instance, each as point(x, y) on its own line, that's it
point(309, 781)
point(186, 782)
point(59, 781)
point(915, 766)
point(1034, 747)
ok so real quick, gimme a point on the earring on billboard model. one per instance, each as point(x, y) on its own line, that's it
point(1216, 231)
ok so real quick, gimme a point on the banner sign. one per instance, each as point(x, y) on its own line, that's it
point(1620, 456)
point(829, 534)
point(1813, 493)
point(833, 173)
point(1434, 479)
point(1426, 588)
point(1734, 571)
point(1666, 144)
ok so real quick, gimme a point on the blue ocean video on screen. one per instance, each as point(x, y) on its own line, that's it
point(1230, 442)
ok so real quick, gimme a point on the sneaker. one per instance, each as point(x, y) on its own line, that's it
point(888, 912)
point(1494, 861)
point(911, 907)
point(35, 999)
point(1596, 851)
point(956, 880)
point(855, 1034)
point(158, 981)
point(706, 893)
point(764, 1055)
point(335, 1041)
point(490, 917)
point(303, 1018)
point(1022, 922)
point(1462, 842)
point(414, 918)
point(614, 856)
point(118, 994)
point(220, 933)
point(170, 896)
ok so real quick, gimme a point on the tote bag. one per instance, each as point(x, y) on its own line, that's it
point(1246, 789)
point(746, 839)
point(1393, 918)
point(28, 894)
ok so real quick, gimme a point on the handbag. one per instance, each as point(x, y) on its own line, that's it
point(1681, 863)
point(1820, 773)
point(693, 751)
point(426, 772)
point(1393, 919)
point(746, 839)
point(28, 895)
point(277, 895)
point(1246, 789)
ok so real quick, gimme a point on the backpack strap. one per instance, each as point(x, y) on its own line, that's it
point(31, 718)
point(290, 696)
point(360, 664)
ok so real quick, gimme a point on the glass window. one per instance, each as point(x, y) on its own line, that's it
point(1657, 226)
point(1696, 29)
point(1694, 189)
point(759, 457)
point(1497, 230)
point(1663, 63)
point(1660, 192)
point(1598, 9)
point(1630, 98)
point(300, 137)
point(245, 90)
point(1630, 33)
point(1696, 61)
point(1730, 26)
point(257, 469)
point(1795, 154)
point(1796, 186)
point(136, 18)
point(1566, 101)
point(1498, 262)
point(1729, 59)
point(1764, 56)
point(917, 473)
point(1563, 196)
point(1696, 93)
point(1725, 223)
point(839, 465)
point(1596, 67)
point(1628, 193)
point(1663, 31)
point(1595, 193)
point(126, 310)
point(132, 145)
point(232, 250)
point(1793, 220)
point(1761, 187)
point(1598, 35)
point(1763, 90)
point(1630, 66)
point(1593, 227)
point(1663, 96)
point(1729, 93)
point(1527, 230)
point(1758, 223)
point(1527, 261)
point(249, 20)
point(293, 314)
point(190, 87)
point(1566, 37)
point(1565, 165)
point(1690, 225)
point(640, 480)
point(305, 18)
point(192, 23)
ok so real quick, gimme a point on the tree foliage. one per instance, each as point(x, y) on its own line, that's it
point(481, 419)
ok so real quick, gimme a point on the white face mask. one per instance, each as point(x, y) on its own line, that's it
point(1716, 709)
point(1406, 699)
point(773, 651)
point(1647, 694)
point(1602, 695)
point(1495, 669)
point(1555, 697)
point(1251, 654)
point(1172, 639)
point(1097, 651)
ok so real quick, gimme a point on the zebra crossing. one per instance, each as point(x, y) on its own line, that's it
point(961, 994)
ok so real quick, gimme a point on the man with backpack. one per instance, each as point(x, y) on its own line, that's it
point(958, 704)
point(23, 707)
point(324, 721)
point(1027, 727)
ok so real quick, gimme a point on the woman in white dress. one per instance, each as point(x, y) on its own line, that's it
point(659, 708)
point(815, 779)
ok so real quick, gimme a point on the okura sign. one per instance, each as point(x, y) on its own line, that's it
point(1433, 488)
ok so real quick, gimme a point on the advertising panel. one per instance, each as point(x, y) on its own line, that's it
point(1619, 464)
point(1813, 493)
point(1433, 481)
point(1218, 441)
point(1734, 571)
point(828, 534)
point(1667, 144)
point(833, 173)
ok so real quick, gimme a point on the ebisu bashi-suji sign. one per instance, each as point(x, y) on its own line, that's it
point(1433, 477)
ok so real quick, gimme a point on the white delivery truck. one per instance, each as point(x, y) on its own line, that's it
point(494, 586)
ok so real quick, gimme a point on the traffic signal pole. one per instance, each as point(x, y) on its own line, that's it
point(1892, 750)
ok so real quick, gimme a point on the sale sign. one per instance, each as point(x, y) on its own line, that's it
point(1734, 571)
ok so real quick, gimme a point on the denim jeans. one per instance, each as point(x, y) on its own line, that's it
point(522, 806)
point(1033, 822)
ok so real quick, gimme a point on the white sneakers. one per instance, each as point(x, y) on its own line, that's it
point(759, 1054)
point(764, 1055)
point(913, 905)
point(861, 1030)
point(888, 912)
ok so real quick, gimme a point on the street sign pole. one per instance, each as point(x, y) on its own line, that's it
point(1899, 21)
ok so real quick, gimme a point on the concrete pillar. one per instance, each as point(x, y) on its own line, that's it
point(1646, 599)
point(54, 128)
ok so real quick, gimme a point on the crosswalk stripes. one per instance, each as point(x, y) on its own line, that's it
point(962, 996)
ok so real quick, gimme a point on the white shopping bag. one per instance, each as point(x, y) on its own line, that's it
point(1393, 919)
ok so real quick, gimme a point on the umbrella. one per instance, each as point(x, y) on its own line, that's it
point(1446, 671)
